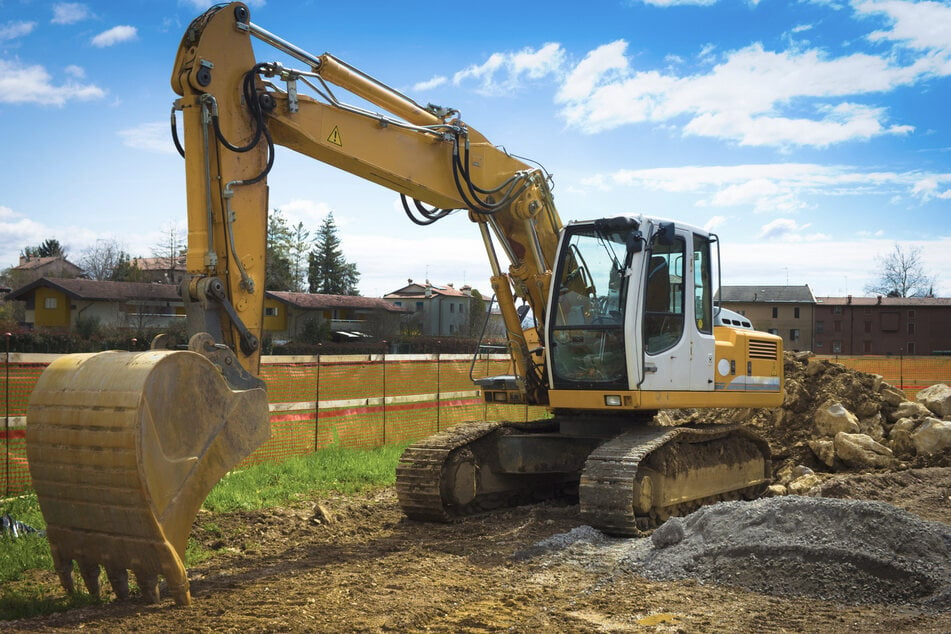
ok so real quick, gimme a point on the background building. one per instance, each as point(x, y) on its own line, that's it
point(787, 311)
point(437, 311)
point(883, 325)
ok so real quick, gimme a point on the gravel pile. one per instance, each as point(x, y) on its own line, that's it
point(849, 551)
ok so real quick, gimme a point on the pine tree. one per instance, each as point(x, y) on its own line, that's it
point(329, 273)
point(278, 272)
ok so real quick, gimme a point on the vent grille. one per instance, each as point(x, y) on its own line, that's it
point(760, 349)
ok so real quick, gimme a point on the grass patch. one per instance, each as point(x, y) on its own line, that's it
point(25, 593)
point(347, 471)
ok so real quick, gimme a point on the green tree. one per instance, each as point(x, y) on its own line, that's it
point(477, 313)
point(278, 272)
point(328, 272)
point(126, 270)
point(49, 248)
point(902, 274)
point(300, 246)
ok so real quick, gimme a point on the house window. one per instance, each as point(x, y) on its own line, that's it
point(820, 327)
point(452, 308)
point(419, 306)
point(462, 308)
point(796, 312)
point(836, 310)
point(773, 331)
point(794, 334)
point(451, 328)
point(775, 312)
point(270, 311)
point(49, 302)
point(911, 347)
point(820, 344)
point(400, 304)
point(911, 314)
point(868, 326)
point(911, 328)
point(836, 347)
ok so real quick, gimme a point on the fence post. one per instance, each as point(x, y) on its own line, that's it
point(6, 406)
point(438, 393)
point(317, 408)
point(383, 369)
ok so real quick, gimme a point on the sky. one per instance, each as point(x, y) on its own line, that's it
point(812, 137)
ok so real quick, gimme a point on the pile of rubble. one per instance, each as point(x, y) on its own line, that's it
point(836, 419)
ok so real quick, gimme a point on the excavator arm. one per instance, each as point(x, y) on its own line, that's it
point(124, 447)
point(235, 111)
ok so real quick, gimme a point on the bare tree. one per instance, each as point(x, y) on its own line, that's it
point(101, 259)
point(170, 250)
point(902, 274)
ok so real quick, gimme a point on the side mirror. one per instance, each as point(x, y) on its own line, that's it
point(665, 234)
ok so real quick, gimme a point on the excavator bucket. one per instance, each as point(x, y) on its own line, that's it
point(123, 448)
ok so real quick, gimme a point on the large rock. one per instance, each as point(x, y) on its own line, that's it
point(873, 426)
point(861, 451)
point(932, 436)
point(892, 395)
point(833, 419)
point(802, 484)
point(936, 398)
point(824, 450)
point(909, 409)
point(901, 443)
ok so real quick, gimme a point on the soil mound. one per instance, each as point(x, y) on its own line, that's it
point(795, 432)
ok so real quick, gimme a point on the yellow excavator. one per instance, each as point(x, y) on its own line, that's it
point(123, 447)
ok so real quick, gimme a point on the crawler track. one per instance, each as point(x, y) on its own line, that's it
point(453, 473)
point(637, 480)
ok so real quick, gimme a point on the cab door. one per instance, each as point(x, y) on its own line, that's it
point(677, 331)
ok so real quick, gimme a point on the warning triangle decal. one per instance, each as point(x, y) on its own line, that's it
point(335, 137)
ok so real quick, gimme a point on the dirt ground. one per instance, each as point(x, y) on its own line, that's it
point(356, 565)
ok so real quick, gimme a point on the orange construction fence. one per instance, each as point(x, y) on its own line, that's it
point(366, 401)
point(359, 401)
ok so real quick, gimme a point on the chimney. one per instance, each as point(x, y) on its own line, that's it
point(848, 300)
point(879, 300)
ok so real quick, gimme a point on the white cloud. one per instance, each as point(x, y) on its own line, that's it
point(714, 223)
point(33, 84)
point(774, 187)
point(596, 67)
point(13, 30)
point(830, 267)
point(115, 35)
point(503, 72)
point(153, 137)
point(70, 13)
point(309, 212)
point(435, 82)
point(920, 25)
point(781, 229)
point(75, 71)
point(749, 97)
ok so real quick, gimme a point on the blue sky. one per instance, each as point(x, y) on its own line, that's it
point(811, 136)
